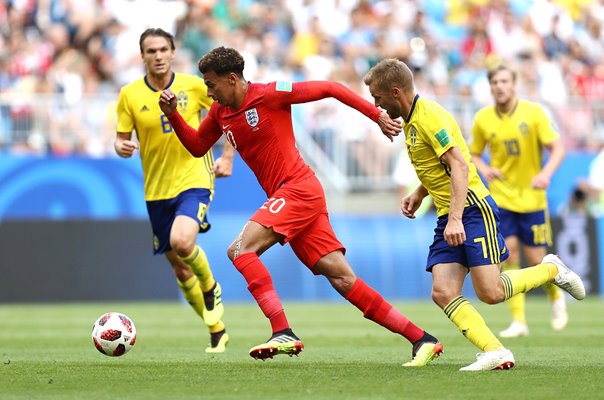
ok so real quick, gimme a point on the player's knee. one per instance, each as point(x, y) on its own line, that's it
point(182, 243)
point(232, 252)
point(342, 283)
point(182, 246)
point(490, 296)
point(442, 296)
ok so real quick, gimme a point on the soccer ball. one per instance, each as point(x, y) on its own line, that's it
point(113, 334)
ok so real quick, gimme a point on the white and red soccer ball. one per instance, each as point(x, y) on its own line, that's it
point(113, 334)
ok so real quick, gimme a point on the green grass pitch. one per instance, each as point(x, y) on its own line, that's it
point(46, 353)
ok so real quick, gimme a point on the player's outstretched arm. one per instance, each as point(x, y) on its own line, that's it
point(304, 92)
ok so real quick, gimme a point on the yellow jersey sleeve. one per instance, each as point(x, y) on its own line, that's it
point(125, 120)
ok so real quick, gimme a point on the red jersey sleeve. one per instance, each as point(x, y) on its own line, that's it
point(280, 94)
point(199, 141)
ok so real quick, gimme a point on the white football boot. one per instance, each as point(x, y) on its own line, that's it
point(492, 360)
point(559, 314)
point(516, 329)
point(566, 279)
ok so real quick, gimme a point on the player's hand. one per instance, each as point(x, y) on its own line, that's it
point(125, 148)
point(454, 233)
point(168, 102)
point(541, 181)
point(491, 174)
point(410, 204)
point(223, 167)
point(390, 128)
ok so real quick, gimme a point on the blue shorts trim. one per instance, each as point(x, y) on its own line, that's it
point(532, 228)
point(193, 203)
point(484, 244)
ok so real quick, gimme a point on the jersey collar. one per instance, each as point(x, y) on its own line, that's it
point(412, 108)
point(510, 113)
point(167, 86)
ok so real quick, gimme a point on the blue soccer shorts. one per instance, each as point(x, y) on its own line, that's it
point(484, 244)
point(193, 203)
point(533, 228)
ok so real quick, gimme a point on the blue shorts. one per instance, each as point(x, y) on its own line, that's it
point(484, 244)
point(193, 203)
point(533, 228)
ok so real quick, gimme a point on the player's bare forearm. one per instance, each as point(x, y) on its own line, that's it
point(489, 173)
point(542, 180)
point(454, 232)
point(223, 166)
point(411, 203)
point(459, 190)
point(390, 128)
point(123, 145)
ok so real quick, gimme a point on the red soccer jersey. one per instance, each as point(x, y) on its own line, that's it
point(261, 129)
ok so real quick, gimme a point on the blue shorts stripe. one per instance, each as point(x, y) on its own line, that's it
point(484, 244)
point(491, 230)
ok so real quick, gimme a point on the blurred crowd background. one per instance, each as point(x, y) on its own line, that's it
point(62, 62)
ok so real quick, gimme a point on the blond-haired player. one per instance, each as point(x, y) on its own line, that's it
point(466, 238)
point(516, 132)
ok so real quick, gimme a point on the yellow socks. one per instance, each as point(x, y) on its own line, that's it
point(516, 303)
point(198, 261)
point(193, 294)
point(553, 292)
point(471, 324)
point(523, 280)
point(217, 328)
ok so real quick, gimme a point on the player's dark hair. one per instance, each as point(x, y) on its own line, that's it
point(222, 60)
point(156, 32)
point(500, 67)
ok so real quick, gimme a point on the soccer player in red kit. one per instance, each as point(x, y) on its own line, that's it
point(256, 119)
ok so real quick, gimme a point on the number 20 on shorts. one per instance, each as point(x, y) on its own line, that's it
point(274, 205)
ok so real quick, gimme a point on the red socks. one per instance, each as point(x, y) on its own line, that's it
point(261, 287)
point(378, 310)
point(366, 299)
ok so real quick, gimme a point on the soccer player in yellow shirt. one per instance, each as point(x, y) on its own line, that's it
point(516, 132)
point(178, 186)
point(467, 237)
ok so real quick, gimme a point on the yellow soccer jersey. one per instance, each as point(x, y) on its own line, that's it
point(168, 167)
point(429, 132)
point(515, 143)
